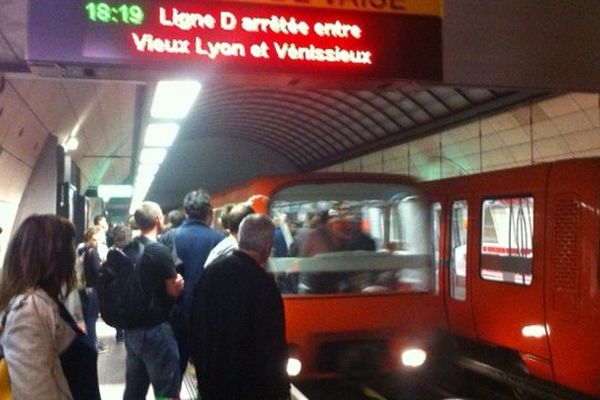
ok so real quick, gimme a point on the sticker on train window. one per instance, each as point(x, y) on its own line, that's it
point(506, 240)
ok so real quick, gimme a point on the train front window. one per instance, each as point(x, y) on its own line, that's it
point(335, 238)
point(506, 243)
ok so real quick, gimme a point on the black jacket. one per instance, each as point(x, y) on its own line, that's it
point(91, 267)
point(238, 332)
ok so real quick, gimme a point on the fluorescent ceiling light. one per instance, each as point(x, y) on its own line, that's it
point(133, 207)
point(143, 180)
point(161, 135)
point(115, 191)
point(139, 194)
point(137, 199)
point(173, 99)
point(71, 144)
point(153, 155)
point(147, 169)
point(142, 183)
point(141, 189)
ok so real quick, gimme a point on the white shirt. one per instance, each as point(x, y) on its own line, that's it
point(225, 247)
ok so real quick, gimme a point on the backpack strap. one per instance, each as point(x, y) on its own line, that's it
point(2, 330)
point(4, 317)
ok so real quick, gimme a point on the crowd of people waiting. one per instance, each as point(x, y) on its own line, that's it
point(210, 301)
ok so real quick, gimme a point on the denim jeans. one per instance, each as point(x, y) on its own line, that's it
point(152, 357)
point(91, 314)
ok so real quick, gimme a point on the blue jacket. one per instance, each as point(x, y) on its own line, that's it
point(194, 240)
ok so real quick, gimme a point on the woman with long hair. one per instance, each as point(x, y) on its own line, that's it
point(48, 356)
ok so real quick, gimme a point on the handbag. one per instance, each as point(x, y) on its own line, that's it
point(5, 390)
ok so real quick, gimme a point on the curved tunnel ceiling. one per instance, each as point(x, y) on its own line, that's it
point(316, 128)
point(236, 133)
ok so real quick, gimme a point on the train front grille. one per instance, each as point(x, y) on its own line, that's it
point(352, 358)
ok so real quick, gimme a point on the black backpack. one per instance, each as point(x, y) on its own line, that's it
point(123, 300)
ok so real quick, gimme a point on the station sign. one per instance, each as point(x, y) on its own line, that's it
point(357, 39)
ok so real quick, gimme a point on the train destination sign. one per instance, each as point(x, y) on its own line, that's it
point(369, 39)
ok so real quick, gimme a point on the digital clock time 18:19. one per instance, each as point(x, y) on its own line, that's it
point(117, 13)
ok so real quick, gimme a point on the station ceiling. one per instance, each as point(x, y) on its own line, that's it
point(232, 133)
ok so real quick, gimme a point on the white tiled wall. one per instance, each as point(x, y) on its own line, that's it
point(566, 126)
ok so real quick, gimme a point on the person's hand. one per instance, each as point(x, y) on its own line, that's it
point(175, 285)
point(179, 283)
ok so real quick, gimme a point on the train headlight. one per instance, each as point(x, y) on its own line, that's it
point(413, 358)
point(294, 366)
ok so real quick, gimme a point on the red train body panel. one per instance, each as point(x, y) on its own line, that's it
point(529, 239)
point(327, 323)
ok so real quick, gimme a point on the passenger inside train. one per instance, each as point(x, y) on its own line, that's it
point(351, 239)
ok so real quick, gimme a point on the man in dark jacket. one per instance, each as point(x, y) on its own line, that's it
point(193, 240)
point(238, 325)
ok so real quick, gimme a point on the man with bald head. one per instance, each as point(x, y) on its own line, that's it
point(238, 324)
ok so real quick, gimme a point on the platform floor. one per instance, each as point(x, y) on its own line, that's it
point(111, 368)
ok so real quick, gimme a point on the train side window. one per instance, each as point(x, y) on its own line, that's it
point(506, 252)
point(458, 256)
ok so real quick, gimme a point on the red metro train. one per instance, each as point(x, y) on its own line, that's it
point(352, 261)
point(500, 269)
point(519, 257)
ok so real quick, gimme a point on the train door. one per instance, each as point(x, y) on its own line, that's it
point(507, 281)
point(458, 290)
point(453, 242)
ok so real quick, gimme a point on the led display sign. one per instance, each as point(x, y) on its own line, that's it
point(366, 39)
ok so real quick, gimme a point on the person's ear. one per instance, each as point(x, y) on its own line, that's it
point(268, 252)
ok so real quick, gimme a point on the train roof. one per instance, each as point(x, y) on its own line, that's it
point(266, 185)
